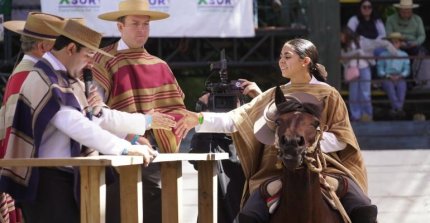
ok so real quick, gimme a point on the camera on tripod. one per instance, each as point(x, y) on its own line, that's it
point(224, 95)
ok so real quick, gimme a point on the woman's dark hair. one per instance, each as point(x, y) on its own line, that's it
point(63, 41)
point(373, 15)
point(350, 37)
point(305, 48)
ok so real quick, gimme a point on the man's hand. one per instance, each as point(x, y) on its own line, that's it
point(189, 121)
point(143, 150)
point(143, 141)
point(95, 100)
point(250, 88)
point(395, 77)
point(161, 121)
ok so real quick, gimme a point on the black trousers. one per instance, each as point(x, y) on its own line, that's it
point(55, 201)
point(151, 190)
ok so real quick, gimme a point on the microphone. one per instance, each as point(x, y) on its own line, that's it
point(88, 81)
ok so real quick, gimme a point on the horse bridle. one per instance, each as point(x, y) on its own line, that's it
point(319, 156)
point(320, 165)
point(308, 160)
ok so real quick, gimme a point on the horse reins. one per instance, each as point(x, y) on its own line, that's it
point(320, 165)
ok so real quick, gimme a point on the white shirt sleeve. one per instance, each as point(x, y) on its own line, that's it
point(74, 124)
point(329, 143)
point(380, 28)
point(121, 123)
point(222, 123)
point(216, 123)
point(353, 23)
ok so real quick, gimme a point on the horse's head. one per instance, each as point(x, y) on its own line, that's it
point(297, 126)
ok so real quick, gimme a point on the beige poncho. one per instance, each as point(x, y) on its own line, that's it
point(258, 160)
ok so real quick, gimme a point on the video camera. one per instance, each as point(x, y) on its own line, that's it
point(224, 95)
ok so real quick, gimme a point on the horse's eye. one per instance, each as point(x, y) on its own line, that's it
point(316, 124)
point(277, 122)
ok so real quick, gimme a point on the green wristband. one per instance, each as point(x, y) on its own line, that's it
point(201, 118)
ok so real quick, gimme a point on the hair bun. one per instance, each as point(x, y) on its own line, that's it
point(322, 70)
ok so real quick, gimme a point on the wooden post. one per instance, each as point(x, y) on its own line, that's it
point(93, 194)
point(171, 181)
point(131, 193)
point(208, 196)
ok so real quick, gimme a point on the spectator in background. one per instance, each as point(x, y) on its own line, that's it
point(409, 25)
point(360, 104)
point(366, 23)
point(355, 47)
point(394, 72)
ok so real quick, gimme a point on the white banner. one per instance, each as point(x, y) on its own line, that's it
point(188, 18)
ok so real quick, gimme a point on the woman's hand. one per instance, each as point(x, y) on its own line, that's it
point(161, 121)
point(250, 88)
point(189, 121)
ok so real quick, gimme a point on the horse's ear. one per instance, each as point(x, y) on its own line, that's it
point(279, 96)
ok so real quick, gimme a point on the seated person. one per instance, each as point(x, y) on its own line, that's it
point(409, 25)
point(394, 72)
point(299, 63)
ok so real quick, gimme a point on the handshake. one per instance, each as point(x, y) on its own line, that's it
point(140, 145)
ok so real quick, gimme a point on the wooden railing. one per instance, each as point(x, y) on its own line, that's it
point(93, 187)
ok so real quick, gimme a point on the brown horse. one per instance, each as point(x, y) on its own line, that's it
point(297, 139)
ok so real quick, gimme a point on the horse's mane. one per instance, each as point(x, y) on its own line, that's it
point(292, 105)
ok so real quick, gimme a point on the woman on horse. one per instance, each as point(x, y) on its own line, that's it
point(298, 63)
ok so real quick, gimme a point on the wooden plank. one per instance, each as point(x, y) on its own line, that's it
point(110, 160)
point(207, 190)
point(54, 162)
point(75, 161)
point(166, 157)
point(171, 193)
point(93, 194)
point(131, 193)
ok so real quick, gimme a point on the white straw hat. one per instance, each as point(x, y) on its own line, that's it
point(133, 7)
point(35, 26)
point(406, 4)
point(80, 33)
